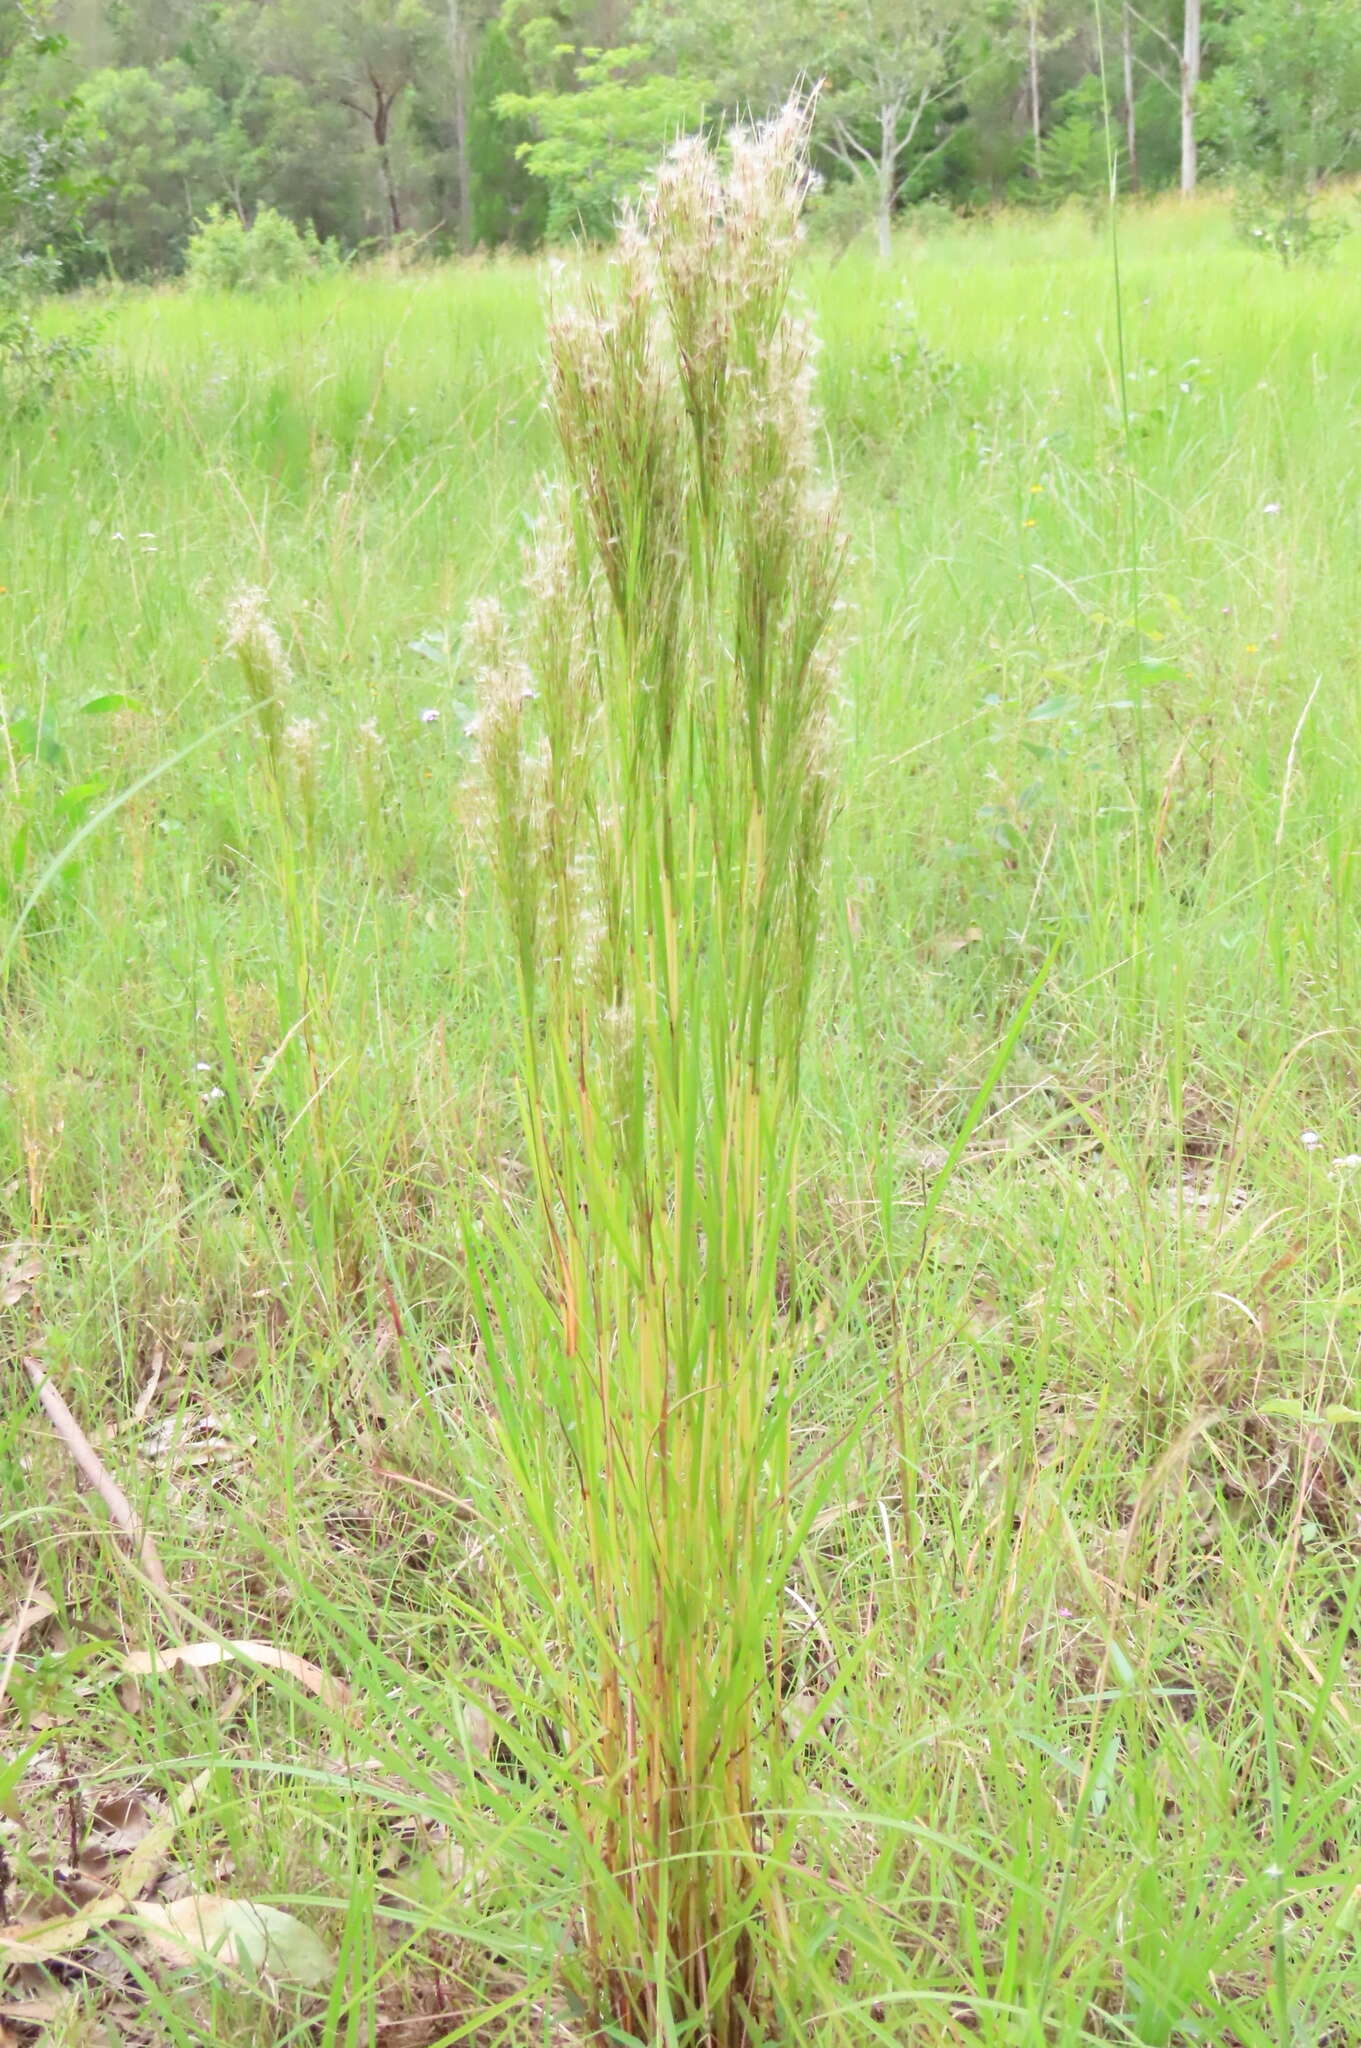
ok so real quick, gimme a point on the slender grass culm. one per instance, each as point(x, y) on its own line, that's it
point(306, 1181)
point(654, 761)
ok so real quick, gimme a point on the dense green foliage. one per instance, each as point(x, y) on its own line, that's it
point(44, 186)
point(592, 145)
point(454, 123)
point(509, 204)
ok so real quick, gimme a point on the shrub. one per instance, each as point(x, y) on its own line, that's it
point(891, 372)
point(841, 211)
point(34, 362)
point(1285, 219)
point(225, 255)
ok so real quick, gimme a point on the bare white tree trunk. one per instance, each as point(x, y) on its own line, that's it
point(1131, 125)
point(886, 178)
point(1033, 52)
point(460, 52)
point(1190, 79)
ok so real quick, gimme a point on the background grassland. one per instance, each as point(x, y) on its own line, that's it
point(1081, 1672)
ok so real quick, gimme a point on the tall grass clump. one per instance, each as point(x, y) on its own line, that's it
point(653, 743)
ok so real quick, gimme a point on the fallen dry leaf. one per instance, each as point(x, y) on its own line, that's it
point(43, 2008)
point(37, 1607)
point(118, 1823)
point(19, 1268)
point(478, 1728)
point(148, 1393)
point(41, 1940)
point(426, 1870)
point(955, 942)
point(193, 1441)
point(332, 1692)
point(237, 1934)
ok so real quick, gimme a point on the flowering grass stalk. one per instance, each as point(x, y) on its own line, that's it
point(310, 1187)
point(654, 762)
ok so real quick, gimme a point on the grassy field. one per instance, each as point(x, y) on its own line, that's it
point(1074, 1636)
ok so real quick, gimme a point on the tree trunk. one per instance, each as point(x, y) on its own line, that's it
point(460, 53)
point(380, 136)
point(885, 178)
point(1131, 125)
point(390, 190)
point(1190, 79)
point(1033, 41)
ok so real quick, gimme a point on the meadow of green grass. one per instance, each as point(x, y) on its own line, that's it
point(1074, 1632)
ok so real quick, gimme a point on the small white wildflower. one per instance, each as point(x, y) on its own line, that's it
point(429, 716)
point(1270, 511)
point(202, 1067)
point(1348, 1163)
point(1310, 1140)
point(213, 1095)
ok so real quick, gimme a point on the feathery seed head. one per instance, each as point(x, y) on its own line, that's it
point(253, 638)
point(301, 738)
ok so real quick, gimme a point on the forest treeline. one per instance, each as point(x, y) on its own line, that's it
point(460, 124)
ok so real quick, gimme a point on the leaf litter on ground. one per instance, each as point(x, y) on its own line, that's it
point(124, 1886)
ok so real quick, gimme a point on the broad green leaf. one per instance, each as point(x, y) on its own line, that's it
point(111, 700)
point(73, 803)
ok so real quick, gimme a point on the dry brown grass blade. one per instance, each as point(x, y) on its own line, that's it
point(392, 1477)
point(89, 1462)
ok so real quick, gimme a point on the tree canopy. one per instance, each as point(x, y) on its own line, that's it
point(457, 123)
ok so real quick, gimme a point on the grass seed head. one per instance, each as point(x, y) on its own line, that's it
point(253, 637)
